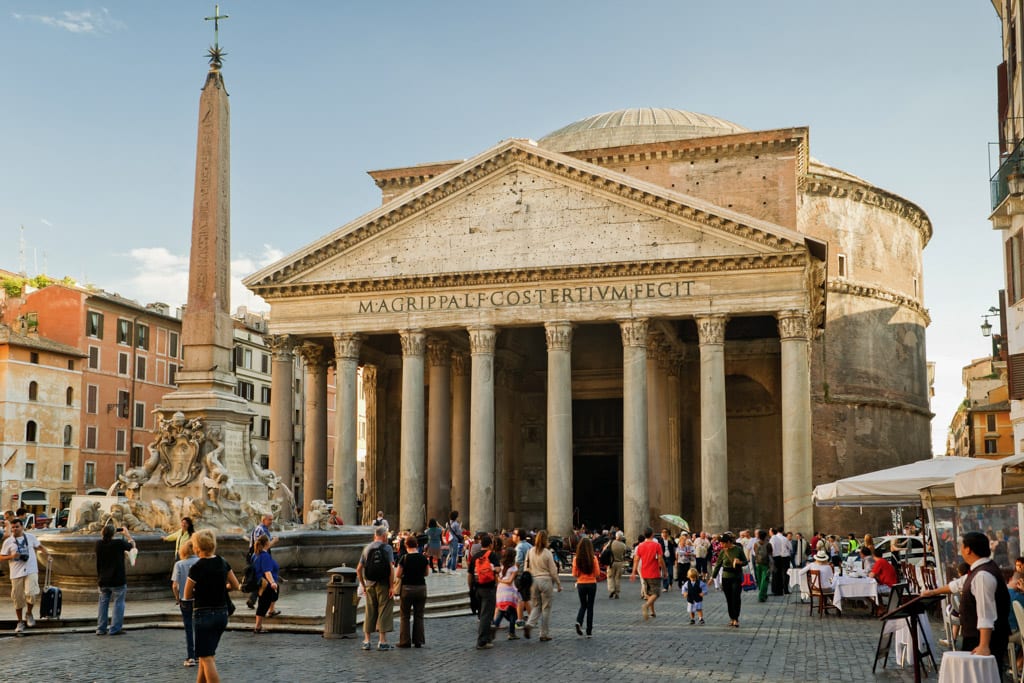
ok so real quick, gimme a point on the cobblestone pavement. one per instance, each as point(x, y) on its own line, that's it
point(778, 641)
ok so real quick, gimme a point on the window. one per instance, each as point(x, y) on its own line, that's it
point(172, 373)
point(135, 460)
point(1013, 268)
point(33, 357)
point(90, 438)
point(264, 364)
point(68, 435)
point(245, 389)
point(264, 428)
point(30, 431)
point(142, 336)
point(120, 441)
point(94, 358)
point(172, 345)
point(122, 403)
point(140, 367)
point(30, 470)
point(65, 472)
point(118, 469)
point(124, 331)
point(92, 396)
point(247, 359)
point(842, 265)
point(990, 422)
point(236, 358)
point(33, 391)
point(991, 446)
point(71, 365)
point(90, 474)
point(94, 324)
point(69, 396)
point(362, 429)
point(265, 394)
point(122, 363)
point(140, 415)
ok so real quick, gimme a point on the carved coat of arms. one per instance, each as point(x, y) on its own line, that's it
point(178, 444)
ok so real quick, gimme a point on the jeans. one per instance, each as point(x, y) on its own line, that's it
point(666, 581)
point(186, 621)
point(586, 592)
point(106, 593)
point(208, 625)
point(453, 556)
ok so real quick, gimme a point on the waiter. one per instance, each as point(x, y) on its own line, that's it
point(984, 601)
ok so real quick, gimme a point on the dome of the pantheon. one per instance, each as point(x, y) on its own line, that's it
point(637, 126)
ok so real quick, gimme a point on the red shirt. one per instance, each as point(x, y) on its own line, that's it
point(884, 572)
point(648, 553)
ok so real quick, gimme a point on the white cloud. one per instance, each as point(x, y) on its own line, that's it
point(159, 275)
point(82, 21)
point(46, 222)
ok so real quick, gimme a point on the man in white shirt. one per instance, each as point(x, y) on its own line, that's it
point(984, 601)
point(20, 550)
point(701, 546)
point(782, 550)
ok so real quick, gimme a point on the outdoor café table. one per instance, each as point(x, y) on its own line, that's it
point(798, 578)
point(848, 587)
point(963, 667)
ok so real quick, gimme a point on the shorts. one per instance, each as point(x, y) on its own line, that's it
point(652, 586)
point(380, 609)
point(694, 607)
point(208, 626)
point(24, 589)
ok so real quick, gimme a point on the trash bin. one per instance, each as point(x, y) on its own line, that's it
point(342, 600)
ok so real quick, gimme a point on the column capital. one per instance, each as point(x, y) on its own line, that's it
point(655, 340)
point(559, 335)
point(711, 328)
point(370, 376)
point(347, 345)
point(439, 352)
point(460, 363)
point(482, 339)
point(280, 345)
point(312, 354)
point(793, 324)
point(634, 332)
point(413, 342)
point(666, 357)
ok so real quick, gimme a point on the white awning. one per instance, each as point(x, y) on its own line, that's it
point(993, 478)
point(893, 487)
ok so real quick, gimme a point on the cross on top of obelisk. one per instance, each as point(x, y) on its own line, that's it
point(215, 53)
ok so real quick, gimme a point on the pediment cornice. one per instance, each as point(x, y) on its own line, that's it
point(651, 198)
point(536, 275)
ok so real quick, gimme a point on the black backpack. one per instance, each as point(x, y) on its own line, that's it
point(250, 582)
point(377, 567)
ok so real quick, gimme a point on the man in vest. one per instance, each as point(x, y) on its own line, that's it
point(984, 601)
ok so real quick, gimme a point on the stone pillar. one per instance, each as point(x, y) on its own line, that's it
point(559, 419)
point(368, 488)
point(636, 512)
point(797, 510)
point(346, 423)
point(439, 433)
point(412, 506)
point(282, 396)
point(314, 432)
point(668, 366)
point(460, 433)
point(481, 428)
point(655, 414)
point(714, 452)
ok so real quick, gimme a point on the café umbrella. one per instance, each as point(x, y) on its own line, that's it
point(676, 520)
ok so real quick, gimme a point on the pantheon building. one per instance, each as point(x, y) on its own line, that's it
point(647, 311)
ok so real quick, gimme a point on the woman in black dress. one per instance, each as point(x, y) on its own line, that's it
point(207, 586)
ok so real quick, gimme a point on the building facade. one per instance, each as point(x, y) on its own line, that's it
point(645, 312)
point(981, 426)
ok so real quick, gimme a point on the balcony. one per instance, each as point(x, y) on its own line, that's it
point(1013, 163)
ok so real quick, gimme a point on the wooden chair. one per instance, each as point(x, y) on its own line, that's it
point(1016, 638)
point(928, 577)
point(822, 594)
point(910, 576)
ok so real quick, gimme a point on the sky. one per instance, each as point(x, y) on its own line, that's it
point(100, 104)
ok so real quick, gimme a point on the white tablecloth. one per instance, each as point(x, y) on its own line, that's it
point(846, 587)
point(900, 628)
point(798, 579)
point(963, 667)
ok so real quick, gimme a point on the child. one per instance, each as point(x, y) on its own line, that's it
point(694, 590)
point(508, 600)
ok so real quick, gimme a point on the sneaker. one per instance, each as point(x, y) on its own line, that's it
point(520, 623)
point(485, 646)
point(701, 622)
point(385, 646)
point(944, 643)
point(20, 628)
point(365, 646)
point(545, 639)
point(190, 662)
point(692, 622)
point(101, 633)
point(30, 620)
point(513, 636)
point(579, 630)
point(250, 604)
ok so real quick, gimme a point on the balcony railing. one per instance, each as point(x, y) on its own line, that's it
point(1012, 163)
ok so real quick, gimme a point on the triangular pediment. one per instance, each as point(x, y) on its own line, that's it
point(517, 207)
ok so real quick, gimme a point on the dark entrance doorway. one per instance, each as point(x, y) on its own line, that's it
point(597, 462)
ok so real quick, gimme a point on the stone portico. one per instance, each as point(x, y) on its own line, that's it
point(546, 342)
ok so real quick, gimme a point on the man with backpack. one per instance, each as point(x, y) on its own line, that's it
point(376, 574)
point(482, 572)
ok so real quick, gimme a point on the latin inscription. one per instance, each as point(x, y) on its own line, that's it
point(544, 296)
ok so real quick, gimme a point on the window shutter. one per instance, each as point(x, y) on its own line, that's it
point(1015, 375)
point(1009, 269)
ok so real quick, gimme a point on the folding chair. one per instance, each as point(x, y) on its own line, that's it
point(816, 590)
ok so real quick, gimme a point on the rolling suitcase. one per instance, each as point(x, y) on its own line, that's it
point(50, 603)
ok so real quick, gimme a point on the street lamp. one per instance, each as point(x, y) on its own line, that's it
point(986, 330)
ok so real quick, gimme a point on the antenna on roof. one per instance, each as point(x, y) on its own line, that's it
point(21, 252)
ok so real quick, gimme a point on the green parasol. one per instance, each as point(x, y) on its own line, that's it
point(676, 520)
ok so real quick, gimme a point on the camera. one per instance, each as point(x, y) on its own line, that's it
point(119, 529)
point(23, 557)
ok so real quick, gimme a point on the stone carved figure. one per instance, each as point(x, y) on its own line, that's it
point(217, 476)
point(88, 515)
point(121, 516)
point(134, 478)
point(316, 516)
